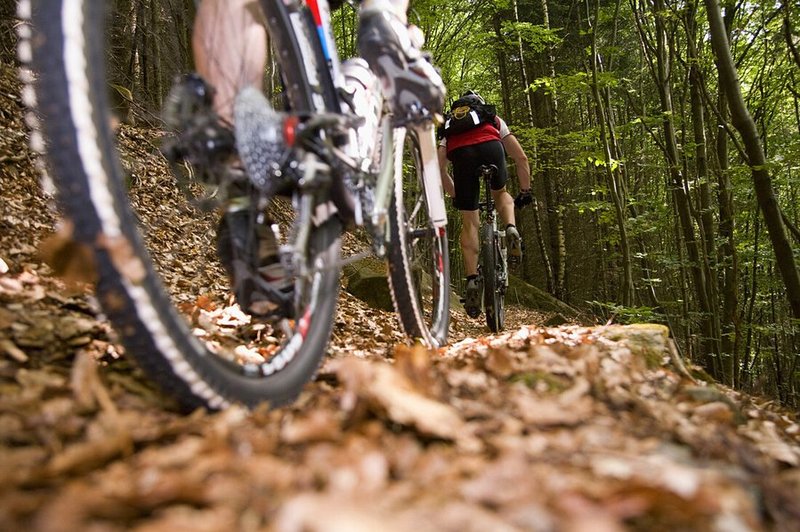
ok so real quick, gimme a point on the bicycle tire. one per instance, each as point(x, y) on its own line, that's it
point(68, 58)
point(417, 256)
point(493, 300)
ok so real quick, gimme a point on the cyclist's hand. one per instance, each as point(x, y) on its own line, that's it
point(523, 198)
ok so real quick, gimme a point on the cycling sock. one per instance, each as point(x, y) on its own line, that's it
point(473, 276)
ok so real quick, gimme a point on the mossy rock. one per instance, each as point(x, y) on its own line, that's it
point(525, 295)
point(367, 279)
point(647, 341)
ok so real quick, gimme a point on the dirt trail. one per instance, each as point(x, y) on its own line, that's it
point(570, 428)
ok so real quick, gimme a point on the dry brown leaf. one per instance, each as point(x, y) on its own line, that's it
point(8, 347)
point(500, 363)
point(768, 440)
point(72, 261)
point(415, 363)
point(320, 513)
point(385, 388)
point(317, 426)
point(88, 455)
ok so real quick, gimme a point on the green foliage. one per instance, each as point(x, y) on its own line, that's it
point(535, 38)
point(626, 315)
point(475, 44)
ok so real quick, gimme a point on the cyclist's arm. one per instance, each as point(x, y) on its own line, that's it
point(447, 180)
point(514, 150)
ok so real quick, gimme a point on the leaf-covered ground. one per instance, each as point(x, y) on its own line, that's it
point(573, 428)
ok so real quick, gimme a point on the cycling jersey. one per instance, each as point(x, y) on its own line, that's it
point(477, 135)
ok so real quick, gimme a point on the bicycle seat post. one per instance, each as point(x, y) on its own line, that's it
point(488, 171)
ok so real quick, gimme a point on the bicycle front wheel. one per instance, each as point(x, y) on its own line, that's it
point(493, 298)
point(143, 290)
point(419, 267)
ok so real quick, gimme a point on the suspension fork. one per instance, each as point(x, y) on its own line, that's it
point(433, 180)
point(392, 168)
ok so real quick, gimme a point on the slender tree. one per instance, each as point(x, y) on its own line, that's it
point(762, 181)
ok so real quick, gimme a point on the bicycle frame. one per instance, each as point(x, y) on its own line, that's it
point(493, 262)
point(487, 209)
point(309, 152)
point(392, 142)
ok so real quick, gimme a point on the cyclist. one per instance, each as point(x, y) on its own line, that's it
point(486, 142)
point(229, 45)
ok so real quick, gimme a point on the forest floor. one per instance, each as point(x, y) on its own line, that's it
point(573, 428)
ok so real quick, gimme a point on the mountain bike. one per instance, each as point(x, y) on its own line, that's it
point(492, 256)
point(309, 153)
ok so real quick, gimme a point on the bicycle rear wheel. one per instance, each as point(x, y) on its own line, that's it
point(493, 298)
point(68, 57)
point(419, 268)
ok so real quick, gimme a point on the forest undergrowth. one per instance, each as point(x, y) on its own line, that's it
point(572, 428)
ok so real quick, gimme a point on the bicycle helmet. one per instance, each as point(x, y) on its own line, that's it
point(473, 97)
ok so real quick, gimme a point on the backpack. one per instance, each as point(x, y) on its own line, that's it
point(467, 113)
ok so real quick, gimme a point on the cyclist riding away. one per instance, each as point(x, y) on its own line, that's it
point(229, 44)
point(473, 135)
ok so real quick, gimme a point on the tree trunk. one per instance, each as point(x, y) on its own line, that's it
point(525, 81)
point(662, 73)
point(705, 218)
point(612, 175)
point(503, 69)
point(552, 177)
point(731, 334)
point(155, 89)
point(762, 181)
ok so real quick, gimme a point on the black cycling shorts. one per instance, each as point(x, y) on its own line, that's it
point(466, 162)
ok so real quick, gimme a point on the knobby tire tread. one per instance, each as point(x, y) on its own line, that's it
point(402, 283)
point(491, 294)
point(172, 357)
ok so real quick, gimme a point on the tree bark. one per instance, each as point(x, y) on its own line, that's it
point(762, 181)
point(627, 291)
point(705, 218)
point(662, 71)
point(728, 259)
point(788, 34)
point(553, 177)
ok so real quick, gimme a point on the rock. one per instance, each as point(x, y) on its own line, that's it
point(367, 280)
point(526, 295)
point(555, 320)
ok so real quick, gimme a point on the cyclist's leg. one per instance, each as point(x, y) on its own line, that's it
point(504, 204)
point(467, 185)
point(229, 43)
point(469, 241)
point(467, 195)
point(494, 153)
point(470, 248)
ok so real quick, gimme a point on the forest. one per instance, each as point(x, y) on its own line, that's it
point(651, 385)
point(663, 137)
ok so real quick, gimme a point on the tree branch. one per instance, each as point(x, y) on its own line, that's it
point(789, 34)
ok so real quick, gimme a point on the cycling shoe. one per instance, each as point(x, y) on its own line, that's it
point(410, 82)
point(514, 245)
point(250, 255)
point(472, 297)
